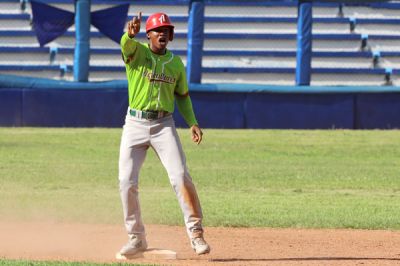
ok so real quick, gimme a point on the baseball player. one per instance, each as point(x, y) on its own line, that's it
point(156, 78)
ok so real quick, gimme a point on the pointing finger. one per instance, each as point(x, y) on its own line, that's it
point(140, 16)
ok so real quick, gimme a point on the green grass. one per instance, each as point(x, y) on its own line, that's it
point(59, 263)
point(257, 178)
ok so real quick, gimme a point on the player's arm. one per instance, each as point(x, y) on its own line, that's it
point(128, 43)
point(185, 108)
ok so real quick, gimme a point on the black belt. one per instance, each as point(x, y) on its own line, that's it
point(149, 115)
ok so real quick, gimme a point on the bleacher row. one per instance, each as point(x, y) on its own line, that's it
point(247, 43)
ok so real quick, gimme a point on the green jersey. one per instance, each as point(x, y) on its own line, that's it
point(154, 80)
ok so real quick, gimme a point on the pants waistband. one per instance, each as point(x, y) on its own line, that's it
point(149, 115)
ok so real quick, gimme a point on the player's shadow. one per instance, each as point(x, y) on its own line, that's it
point(309, 259)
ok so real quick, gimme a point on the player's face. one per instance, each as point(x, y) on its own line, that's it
point(159, 39)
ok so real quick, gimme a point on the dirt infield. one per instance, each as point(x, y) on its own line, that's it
point(230, 246)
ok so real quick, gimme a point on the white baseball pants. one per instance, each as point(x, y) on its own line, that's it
point(160, 134)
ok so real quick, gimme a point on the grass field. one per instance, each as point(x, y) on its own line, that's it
point(62, 263)
point(245, 178)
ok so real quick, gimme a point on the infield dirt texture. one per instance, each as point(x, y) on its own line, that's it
point(230, 246)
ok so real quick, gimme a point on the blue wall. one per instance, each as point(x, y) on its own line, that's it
point(215, 108)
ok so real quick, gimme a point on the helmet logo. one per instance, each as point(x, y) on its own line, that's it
point(162, 19)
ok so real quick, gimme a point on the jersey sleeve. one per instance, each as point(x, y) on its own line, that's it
point(128, 47)
point(181, 87)
point(186, 110)
point(183, 101)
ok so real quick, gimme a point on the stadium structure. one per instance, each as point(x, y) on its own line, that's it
point(250, 64)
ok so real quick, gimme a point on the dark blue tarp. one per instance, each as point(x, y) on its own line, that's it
point(10, 107)
point(222, 110)
point(107, 108)
point(74, 108)
point(111, 21)
point(363, 2)
point(50, 22)
point(299, 111)
point(43, 102)
point(378, 111)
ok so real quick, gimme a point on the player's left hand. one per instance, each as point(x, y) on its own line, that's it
point(197, 134)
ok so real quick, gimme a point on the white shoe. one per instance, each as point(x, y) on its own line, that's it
point(134, 246)
point(200, 246)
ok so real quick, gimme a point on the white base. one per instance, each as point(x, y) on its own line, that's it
point(150, 253)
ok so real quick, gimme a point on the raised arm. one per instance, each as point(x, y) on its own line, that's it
point(128, 44)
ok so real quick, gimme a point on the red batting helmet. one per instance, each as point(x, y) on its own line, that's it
point(159, 20)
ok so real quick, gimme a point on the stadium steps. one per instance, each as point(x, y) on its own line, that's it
point(211, 58)
point(279, 76)
point(339, 46)
point(262, 25)
point(227, 41)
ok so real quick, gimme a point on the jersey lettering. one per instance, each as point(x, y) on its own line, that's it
point(155, 77)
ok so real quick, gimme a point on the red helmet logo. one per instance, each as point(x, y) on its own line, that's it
point(159, 20)
point(162, 19)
